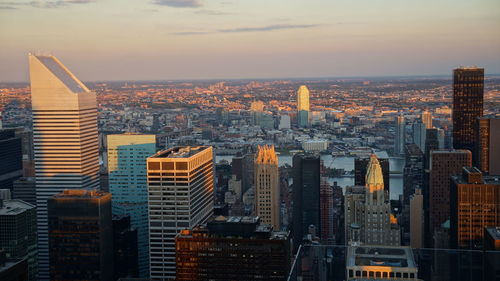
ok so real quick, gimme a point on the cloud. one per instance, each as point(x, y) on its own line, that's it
point(182, 33)
point(7, 8)
point(211, 12)
point(267, 28)
point(46, 4)
point(179, 3)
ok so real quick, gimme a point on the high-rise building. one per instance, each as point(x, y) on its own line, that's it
point(306, 196)
point(303, 107)
point(267, 189)
point(125, 250)
point(284, 122)
point(367, 210)
point(80, 235)
point(13, 269)
point(127, 172)
point(412, 171)
point(25, 189)
point(468, 94)
point(444, 164)
point(326, 211)
point(419, 135)
point(180, 196)
point(11, 155)
point(417, 219)
point(400, 135)
point(488, 146)
point(475, 204)
point(64, 136)
point(491, 267)
point(18, 233)
point(361, 166)
point(431, 143)
point(426, 119)
point(244, 250)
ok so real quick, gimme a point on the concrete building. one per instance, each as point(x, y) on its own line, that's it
point(475, 205)
point(18, 234)
point(417, 219)
point(65, 139)
point(368, 217)
point(267, 189)
point(246, 250)
point(180, 196)
point(380, 263)
point(315, 146)
point(127, 172)
point(488, 145)
point(80, 235)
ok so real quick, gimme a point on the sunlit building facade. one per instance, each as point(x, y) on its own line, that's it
point(267, 190)
point(303, 107)
point(65, 138)
point(180, 196)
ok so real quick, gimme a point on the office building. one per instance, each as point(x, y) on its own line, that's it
point(444, 164)
point(306, 196)
point(303, 107)
point(267, 189)
point(18, 234)
point(125, 251)
point(13, 269)
point(475, 205)
point(80, 235)
point(380, 263)
point(419, 134)
point(412, 171)
point(468, 94)
point(284, 122)
point(180, 196)
point(367, 210)
point(25, 189)
point(426, 118)
point(233, 248)
point(11, 155)
point(488, 145)
point(65, 138)
point(400, 135)
point(360, 169)
point(417, 219)
point(491, 267)
point(127, 172)
point(431, 143)
point(326, 211)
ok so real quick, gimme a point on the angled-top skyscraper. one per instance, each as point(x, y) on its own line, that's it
point(65, 139)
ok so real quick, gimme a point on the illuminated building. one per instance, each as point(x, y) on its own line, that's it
point(475, 204)
point(80, 235)
point(64, 137)
point(488, 145)
point(18, 234)
point(303, 107)
point(468, 92)
point(180, 196)
point(426, 118)
point(360, 169)
point(267, 190)
point(233, 248)
point(400, 135)
point(367, 210)
point(127, 155)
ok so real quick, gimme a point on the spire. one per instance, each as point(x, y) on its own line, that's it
point(374, 172)
point(266, 155)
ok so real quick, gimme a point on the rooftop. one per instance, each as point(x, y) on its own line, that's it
point(81, 193)
point(380, 256)
point(14, 207)
point(62, 73)
point(180, 152)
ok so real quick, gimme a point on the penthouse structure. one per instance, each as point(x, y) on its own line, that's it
point(180, 196)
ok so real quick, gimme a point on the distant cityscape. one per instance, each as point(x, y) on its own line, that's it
point(394, 178)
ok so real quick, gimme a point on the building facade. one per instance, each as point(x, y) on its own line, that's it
point(361, 166)
point(127, 154)
point(125, 248)
point(303, 107)
point(488, 145)
point(400, 135)
point(267, 189)
point(80, 235)
point(180, 196)
point(65, 138)
point(11, 165)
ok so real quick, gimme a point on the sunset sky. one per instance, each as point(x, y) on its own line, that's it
point(203, 39)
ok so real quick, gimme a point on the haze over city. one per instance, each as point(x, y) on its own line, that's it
point(203, 39)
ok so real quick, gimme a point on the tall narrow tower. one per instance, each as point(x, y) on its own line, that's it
point(303, 106)
point(64, 137)
point(267, 189)
point(400, 137)
point(427, 119)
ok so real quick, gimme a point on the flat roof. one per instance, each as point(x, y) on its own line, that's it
point(494, 232)
point(180, 152)
point(380, 256)
point(14, 207)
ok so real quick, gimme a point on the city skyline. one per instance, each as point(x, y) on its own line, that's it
point(233, 40)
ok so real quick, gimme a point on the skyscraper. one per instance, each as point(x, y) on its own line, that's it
point(419, 135)
point(475, 205)
point(326, 211)
point(64, 136)
point(444, 164)
point(306, 196)
point(361, 166)
point(180, 196)
point(468, 91)
point(303, 107)
point(400, 135)
point(125, 251)
point(267, 189)
point(11, 155)
point(80, 235)
point(412, 171)
point(18, 233)
point(127, 155)
point(426, 118)
point(417, 219)
point(488, 145)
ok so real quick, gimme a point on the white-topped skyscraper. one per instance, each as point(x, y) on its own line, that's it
point(303, 107)
point(65, 139)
